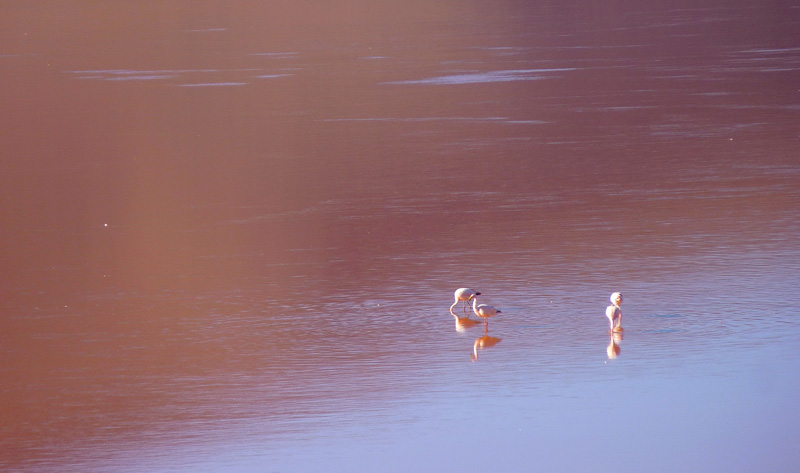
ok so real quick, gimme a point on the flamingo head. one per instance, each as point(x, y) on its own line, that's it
point(616, 298)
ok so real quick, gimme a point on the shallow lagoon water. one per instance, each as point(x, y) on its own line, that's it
point(232, 235)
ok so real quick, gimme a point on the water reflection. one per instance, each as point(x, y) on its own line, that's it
point(463, 323)
point(481, 343)
point(613, 350)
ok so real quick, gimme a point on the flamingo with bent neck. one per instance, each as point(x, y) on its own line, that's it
point(463, 294)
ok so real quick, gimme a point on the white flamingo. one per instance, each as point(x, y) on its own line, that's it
point(463, 294)
point(614, 313)
point(484, 311)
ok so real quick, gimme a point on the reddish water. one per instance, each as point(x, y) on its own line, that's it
point(231, 233)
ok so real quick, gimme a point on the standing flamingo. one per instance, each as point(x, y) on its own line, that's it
point(614, 313)
point(484, 311)
point(463, 294)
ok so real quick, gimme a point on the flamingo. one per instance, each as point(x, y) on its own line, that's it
point(484, 311)
point(463, 294)
point(614, 313)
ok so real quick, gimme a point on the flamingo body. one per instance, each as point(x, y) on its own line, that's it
point(614, 313)
point(463, 294)
point(484, 311)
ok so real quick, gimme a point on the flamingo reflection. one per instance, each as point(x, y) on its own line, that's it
point(613, 349)
point(463, 323)
point(484, 311)
point(463, 294)
point(483, 342)
point(614, 313)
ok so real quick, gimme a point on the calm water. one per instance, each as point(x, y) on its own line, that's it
point(231, 233)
